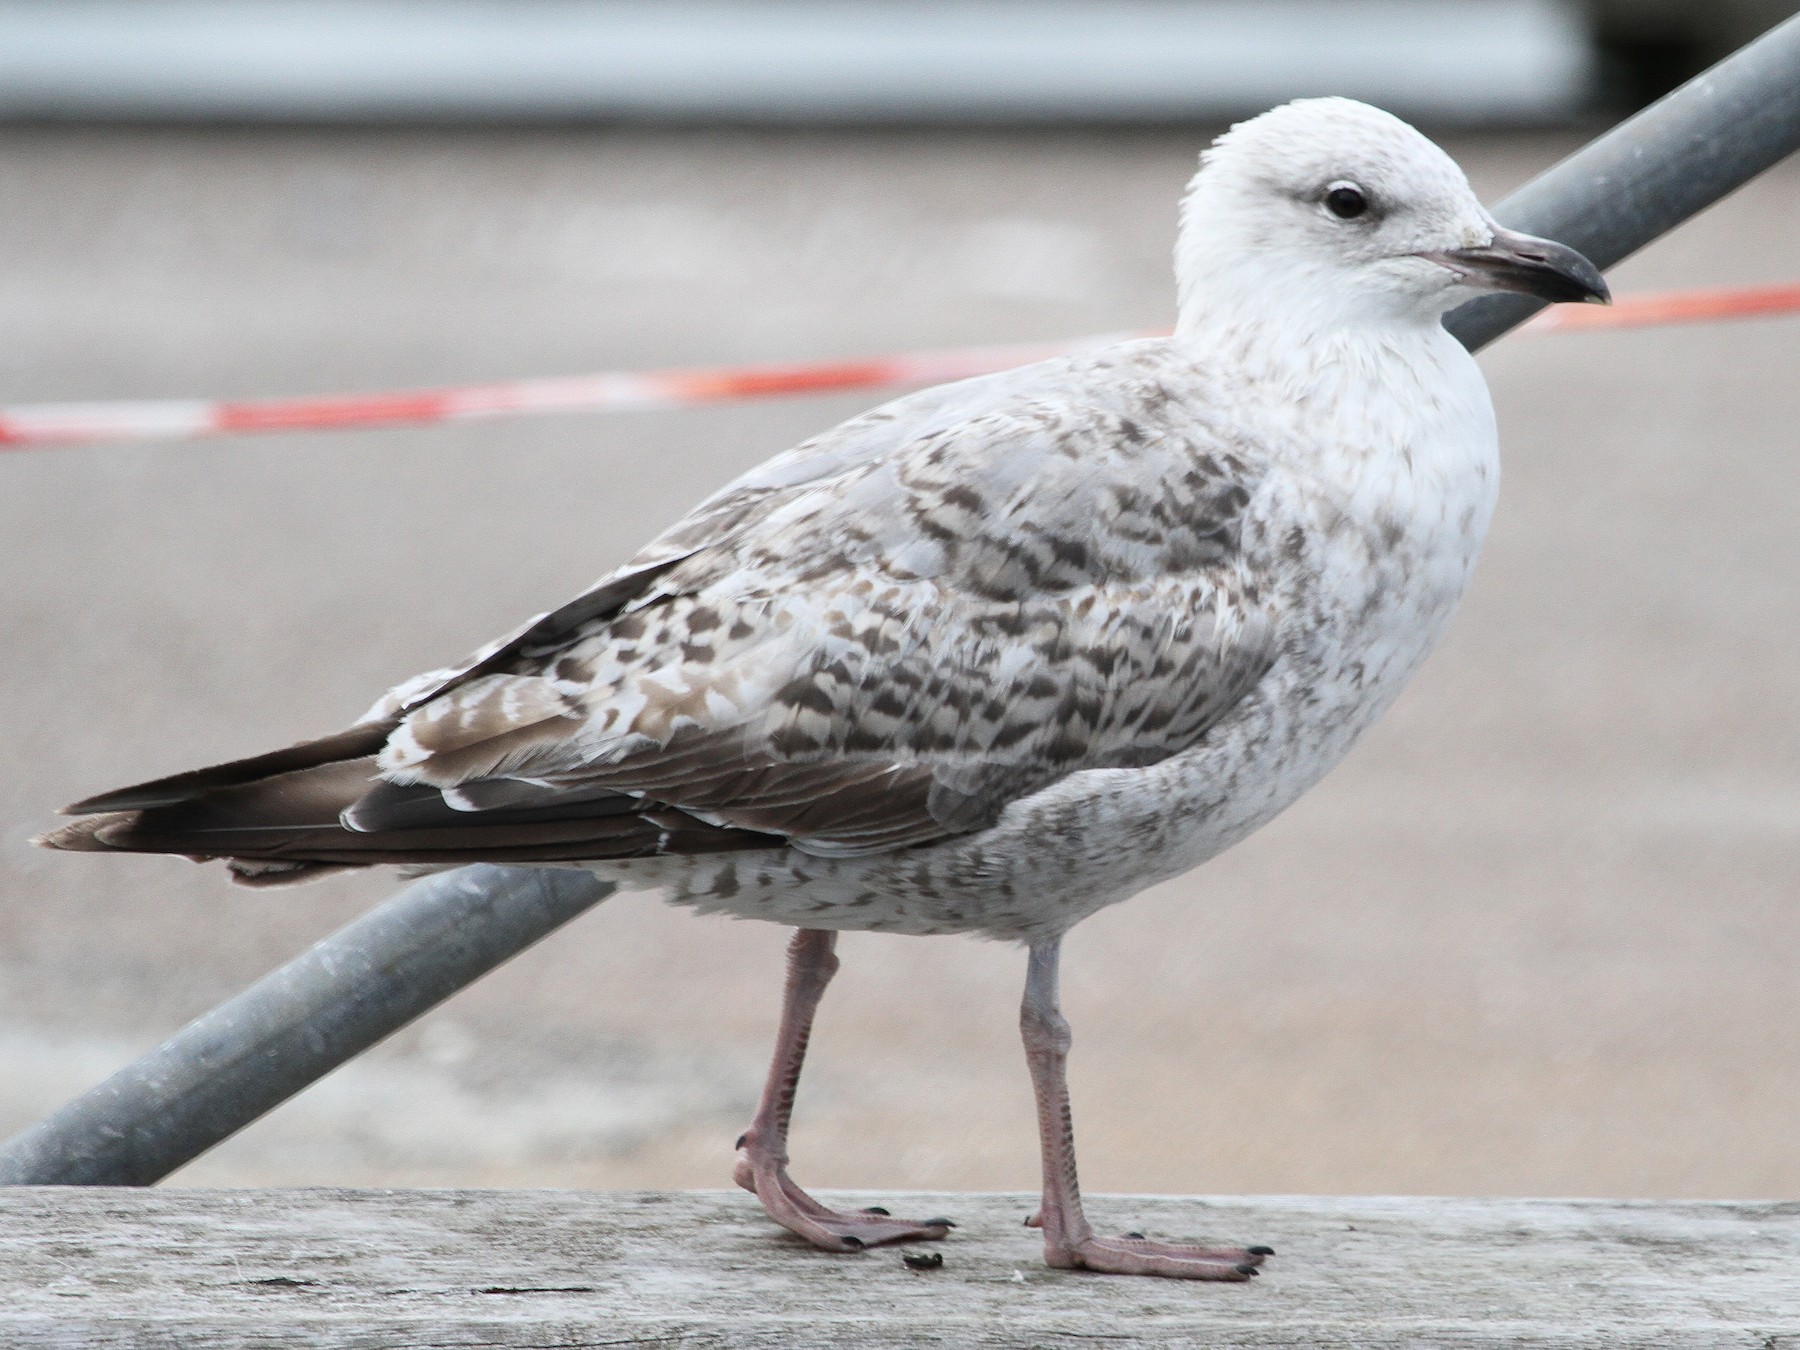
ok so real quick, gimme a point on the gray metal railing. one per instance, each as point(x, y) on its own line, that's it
point(217, 1075)
point(1653, 171)
point(297, 1024)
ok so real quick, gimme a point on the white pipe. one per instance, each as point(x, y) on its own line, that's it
point(786, 61)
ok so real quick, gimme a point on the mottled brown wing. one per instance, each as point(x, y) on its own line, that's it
point(892, 650)
point(880, 639)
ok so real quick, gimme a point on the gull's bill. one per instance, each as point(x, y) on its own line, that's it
point(1543, 268)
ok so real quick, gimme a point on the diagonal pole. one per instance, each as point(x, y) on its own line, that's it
point(297, 1024)
point(1632, 185)
point(1655, 169)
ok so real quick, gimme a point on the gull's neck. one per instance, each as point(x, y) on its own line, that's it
point(1291, 346)
point(1299, 336)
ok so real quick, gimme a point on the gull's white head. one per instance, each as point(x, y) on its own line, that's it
point(1329, 213)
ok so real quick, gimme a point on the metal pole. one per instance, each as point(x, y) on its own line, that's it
point(1653, 171)
point(294, 1026)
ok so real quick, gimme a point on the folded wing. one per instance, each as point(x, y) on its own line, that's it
point(879, 640)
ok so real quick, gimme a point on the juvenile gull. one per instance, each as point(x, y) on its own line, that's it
point(992, 656)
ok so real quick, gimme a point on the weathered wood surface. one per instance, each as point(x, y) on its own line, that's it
point(96, 1268)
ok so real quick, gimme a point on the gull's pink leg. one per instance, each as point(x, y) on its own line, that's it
point(762, 1150)
point(1069, 1244)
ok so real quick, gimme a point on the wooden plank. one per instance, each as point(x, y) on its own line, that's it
point(99, 1268)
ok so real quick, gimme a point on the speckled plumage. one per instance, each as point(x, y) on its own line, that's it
point(995, 654)
point(990, 657)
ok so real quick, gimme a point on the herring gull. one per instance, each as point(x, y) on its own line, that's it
point(992, 656)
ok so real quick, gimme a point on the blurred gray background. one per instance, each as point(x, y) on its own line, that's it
point(1538, 935)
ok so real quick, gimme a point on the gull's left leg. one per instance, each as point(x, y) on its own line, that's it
point(1069, 1243)
point(762, 1150)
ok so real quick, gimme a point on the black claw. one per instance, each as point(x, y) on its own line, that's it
point(855, 1244)
point(1139, 1236)
point(742, 1140)
point(1247, 1269)
point(939, 1223)
point(924, 1260)
point(1260, 1251)
point(877, 1209)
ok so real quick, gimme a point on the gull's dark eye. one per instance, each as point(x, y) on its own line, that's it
point(1346, 201)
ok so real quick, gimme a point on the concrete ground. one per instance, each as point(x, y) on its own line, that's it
point(1538, 936)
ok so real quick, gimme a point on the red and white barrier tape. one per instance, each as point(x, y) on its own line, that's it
point(53, 424)
point(1660, 307)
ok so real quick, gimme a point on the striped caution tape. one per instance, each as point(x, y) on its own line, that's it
point(60, 424)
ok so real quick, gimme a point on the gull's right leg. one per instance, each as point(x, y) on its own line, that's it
point(1069, 1243)
point(762, 1149)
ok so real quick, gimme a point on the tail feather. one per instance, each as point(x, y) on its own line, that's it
point(301, 822)
point(83, 836)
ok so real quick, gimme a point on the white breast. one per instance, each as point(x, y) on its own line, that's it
point(1371, 532)
point(1378, 531)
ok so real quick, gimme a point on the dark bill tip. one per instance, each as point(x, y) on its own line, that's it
point(1530, 266)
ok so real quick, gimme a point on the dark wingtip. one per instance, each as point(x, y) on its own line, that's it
point(365, 738)
point(123, 799)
